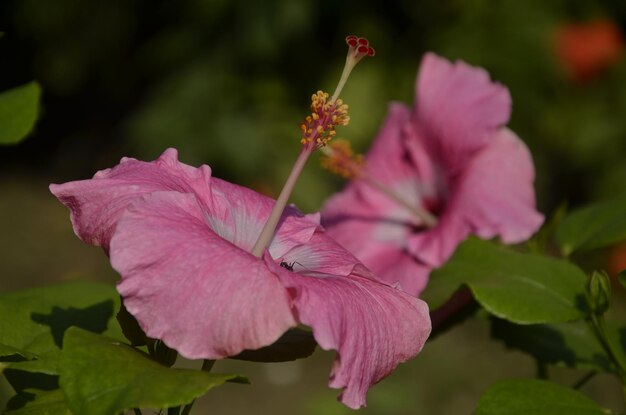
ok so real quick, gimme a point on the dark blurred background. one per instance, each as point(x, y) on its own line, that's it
point(227, 83)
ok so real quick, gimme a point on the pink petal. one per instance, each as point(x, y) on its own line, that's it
point(377, 241)
point(434, 246)
point(370, 224)
point(199, 293)
point(372, 326)
point(97, 204)
point(496, 194)
point(320, 254)
point(356, 223)
point(399, 268)
point(238, 215)
point(377, 236)
point(458, 108)
point(385, 158)
point(494, 197)
point(389, 163)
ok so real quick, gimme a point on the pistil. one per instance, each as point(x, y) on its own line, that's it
point(270, 226)
point(359, 47)
point(317, 130)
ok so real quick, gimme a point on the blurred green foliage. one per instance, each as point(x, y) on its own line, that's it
point(227, 82)
point(18, 112)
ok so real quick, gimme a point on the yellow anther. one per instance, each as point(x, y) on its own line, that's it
point(341, 160)
point(319, 127)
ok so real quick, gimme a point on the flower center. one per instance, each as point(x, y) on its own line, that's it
point(341, 160)
point(317, 130)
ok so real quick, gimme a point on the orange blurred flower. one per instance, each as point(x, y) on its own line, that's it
point(585, 49)
point(617, 259)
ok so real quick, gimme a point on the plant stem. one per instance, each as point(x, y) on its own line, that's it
point(542, 369)
point(598, 326)
point(582, 381)
point(207, 365)
point(150, 347)
point(452, 312)
point(187, 408)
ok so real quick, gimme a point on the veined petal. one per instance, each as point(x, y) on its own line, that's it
point(385, 158)
point(96, 204)
point(369, 231)
point(458, 108)
point(371, 225)
point(390, 164)
point(434, 246)
point(493, 197)
point(238, 215)
point(321, 255)
point(372, 326)
point(398, 268)
point(187, 286)
point(496, 194)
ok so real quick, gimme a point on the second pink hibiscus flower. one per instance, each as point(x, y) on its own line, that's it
point(452, 160)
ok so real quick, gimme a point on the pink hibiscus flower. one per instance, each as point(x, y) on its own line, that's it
point(212, 268)
point(181, 241)
point(435, 174)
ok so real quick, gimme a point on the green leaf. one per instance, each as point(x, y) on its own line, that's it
point(19, 108)
point(34, 321)
point(616, 338)
point(570, 344)
point(43, 363)
point(35, 402)
point(294, 344)
point(101, 376)
point(8, 352)
point(12, 358)
point(522, 288)
point(594, 226)
point(535, 397)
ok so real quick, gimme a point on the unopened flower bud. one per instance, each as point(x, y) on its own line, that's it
point(599, 292)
